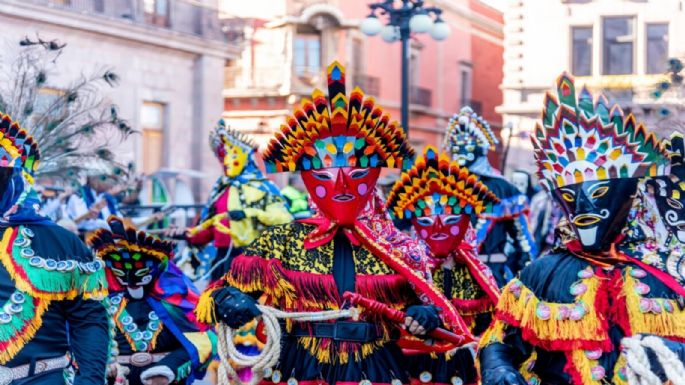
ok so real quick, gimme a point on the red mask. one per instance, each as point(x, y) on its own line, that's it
point(341, 193)
point(443, 233)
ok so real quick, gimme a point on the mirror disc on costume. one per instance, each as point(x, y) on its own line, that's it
point(25, 231)
point(276, 376)
point(18, 298)
point(268, 372)
point(456, 381)
point(365, 382)
point(5, 318)
point(396, 382)
point(292, 381)
point(425, 377)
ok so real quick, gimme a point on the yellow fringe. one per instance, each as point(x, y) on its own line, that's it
point(205, 310)
point(17, 342)
point(584, 366)
point(493, 334)
point(523, 369)
point(661, 324)
point(331, 353)
point(523, 309)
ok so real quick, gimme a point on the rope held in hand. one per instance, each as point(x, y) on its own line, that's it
point(271, 352)
point(639, 371)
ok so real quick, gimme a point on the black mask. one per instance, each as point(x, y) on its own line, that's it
point(670, 201)
point(134, 271)
point(597, 210)
point(466, 151)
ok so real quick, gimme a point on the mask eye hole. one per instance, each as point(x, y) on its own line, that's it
point(674, 203)
point(599, 192)
point(323, 176)
point(358, 174)
point(118, 272)
point(568, 197)
point(424, 221)
point(451, 219)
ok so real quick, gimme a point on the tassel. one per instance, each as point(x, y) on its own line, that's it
point(205, 310)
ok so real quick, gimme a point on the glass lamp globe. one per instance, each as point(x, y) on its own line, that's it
point(371, 26)
point(440, 30)
point(389, 33)
point(420, 23)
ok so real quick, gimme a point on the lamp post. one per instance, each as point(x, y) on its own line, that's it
point(411, 16)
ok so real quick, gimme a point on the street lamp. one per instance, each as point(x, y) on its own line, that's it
point(411, 17)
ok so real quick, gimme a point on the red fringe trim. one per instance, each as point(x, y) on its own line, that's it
point(312, 288)
point(472, 306)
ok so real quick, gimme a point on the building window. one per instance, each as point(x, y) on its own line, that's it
point(157, 12)
point(307, 52)
point(619, 40)
point(657, 48)
point(152, 121)
point(581, 54)
point(465, 85)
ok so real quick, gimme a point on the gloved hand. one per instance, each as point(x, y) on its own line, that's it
point(237, 215)
point(234, 308)
point(421, 319)
point(496, 367)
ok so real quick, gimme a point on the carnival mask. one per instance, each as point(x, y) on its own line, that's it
point(597, 210)
point(442, 233)
point(341, 192)
point(234, 159)
point(465, 150)
point(134, 271)
point(670, 201)
point(521, 181)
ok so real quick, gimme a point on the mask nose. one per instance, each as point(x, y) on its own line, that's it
point(341, 182)
point(583, 203)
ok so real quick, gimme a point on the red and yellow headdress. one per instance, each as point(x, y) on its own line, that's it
point(124, 241)
point(437, 185)
point(338, 131)
point(17, 148)
point(583, 140)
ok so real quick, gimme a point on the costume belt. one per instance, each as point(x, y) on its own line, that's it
point(493, 258)
point(348, 331)
point(141, 359)
point(8, 375)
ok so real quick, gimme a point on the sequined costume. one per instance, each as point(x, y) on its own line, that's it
point(562, 321)
point(242, 202)
point(504, 237)
point(50, 285)
point(151, 307)
point(338, 143)
point(439, 198)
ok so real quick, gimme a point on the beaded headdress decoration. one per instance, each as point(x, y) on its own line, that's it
point(338, 131)
point(223, 136)
point(584, 140)
point(437, 185)
point(469, 129)
point(125, 243)
point(17, 148)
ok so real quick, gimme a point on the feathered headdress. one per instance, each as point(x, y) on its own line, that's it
point(437, 185)
point(223, 135)
point(468, 128)
point(17, 147)
point(123, 241)
point(338, 131)
point(581, 140)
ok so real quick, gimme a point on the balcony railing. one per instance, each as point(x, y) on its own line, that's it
point(476, 105)
point(371, 85)
point(420, 96)
point(181, 16)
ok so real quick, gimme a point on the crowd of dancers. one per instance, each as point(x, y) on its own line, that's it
point(453, 275)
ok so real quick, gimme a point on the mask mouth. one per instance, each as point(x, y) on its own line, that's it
point(343, 197)
point(589, 219)
point(438, 237)
point(136, 291)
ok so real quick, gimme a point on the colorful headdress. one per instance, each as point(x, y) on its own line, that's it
point(437, 185)
point(17, 147)
point(675, 146)
point(223, 135)
point(581, 140)
point(338, 131)
point(468, 128)
point(123, 241)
